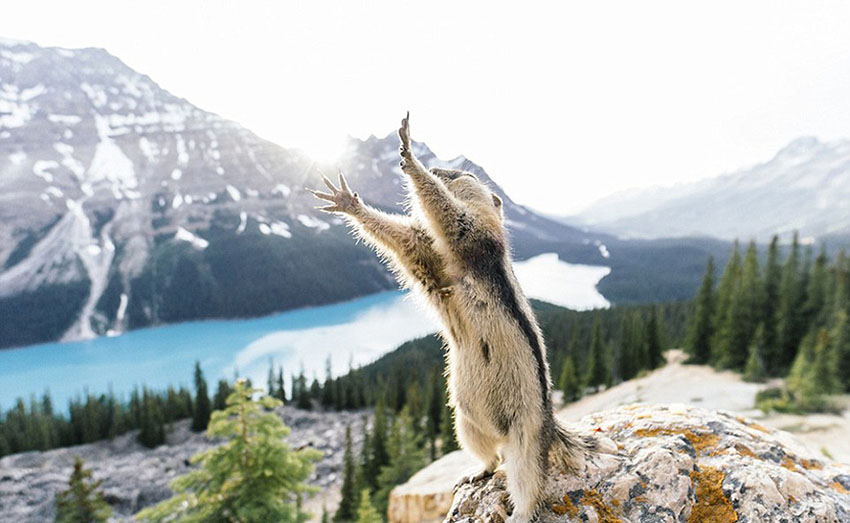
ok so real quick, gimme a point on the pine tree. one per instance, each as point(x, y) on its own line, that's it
point(406, 457)
point(270, 381)
point(770, 309)
point(598, 372)
point(569, 382)
point(253, 476)
point(415, 405)
point(739, 324)
point(701, 328)
point(345, 512)
point(448, 441)
point(755, 370)
point(790, 318)
point(280, 392)
point(201, 414)
point(302, 400)
point(841, 348)
point(815, 309)
point(221, 394)
point(82, 502)
point(315, 391)
point(366, 513)
point(152, 426)
point(627, 363)
point(378, 454)
point(329, 388)
point(825, 367)
point(436, 399)
point(654, 351)
point(812, 376)
point(365, 460)
point(725, 289)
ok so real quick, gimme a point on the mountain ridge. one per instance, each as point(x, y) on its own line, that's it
point(804, 187)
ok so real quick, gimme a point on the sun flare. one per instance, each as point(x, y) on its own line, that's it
point(325, 150)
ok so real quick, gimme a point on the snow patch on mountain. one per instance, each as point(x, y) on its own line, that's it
point(68, 160)
point(110, 164)
point(96, 256)
point(19, 57)
point(234, 193)
point(41, 167)
point(276, 228)
point(67, 119)
point(18, 157)
point(314, 223)
point(196, 241)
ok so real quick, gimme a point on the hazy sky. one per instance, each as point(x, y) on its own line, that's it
point(562, 103)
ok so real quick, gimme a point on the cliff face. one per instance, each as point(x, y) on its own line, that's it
point(677, 464)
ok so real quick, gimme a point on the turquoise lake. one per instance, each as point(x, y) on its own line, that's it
point(355, 332)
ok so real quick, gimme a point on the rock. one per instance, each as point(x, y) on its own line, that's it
point(427, 495)
point(674, 464)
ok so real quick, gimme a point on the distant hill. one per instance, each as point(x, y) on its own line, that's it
point(123, 206)
point(805, 187)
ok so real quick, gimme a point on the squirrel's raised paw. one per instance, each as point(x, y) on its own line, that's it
point(343, 199)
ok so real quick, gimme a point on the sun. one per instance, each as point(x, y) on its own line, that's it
point(325, 150)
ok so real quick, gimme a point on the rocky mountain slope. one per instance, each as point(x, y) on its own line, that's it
point(122, 206)
point(135, 477)
point(804, 187)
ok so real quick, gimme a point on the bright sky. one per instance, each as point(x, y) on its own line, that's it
point(561, 103)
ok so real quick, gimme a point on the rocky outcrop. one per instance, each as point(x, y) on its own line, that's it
point(427, 495)
point(679, 464)
point(135, 477)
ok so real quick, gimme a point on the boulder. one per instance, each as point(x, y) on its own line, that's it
point(427, 495)
point(677, 463)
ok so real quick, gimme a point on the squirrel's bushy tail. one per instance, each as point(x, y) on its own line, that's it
point(568, 450)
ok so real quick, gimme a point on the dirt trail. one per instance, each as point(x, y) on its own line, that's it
point(702, 386)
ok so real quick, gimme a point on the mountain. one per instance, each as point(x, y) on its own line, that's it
point(805, 187)
point(123, 206)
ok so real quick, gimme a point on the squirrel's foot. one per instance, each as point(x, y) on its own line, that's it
point(474, 478)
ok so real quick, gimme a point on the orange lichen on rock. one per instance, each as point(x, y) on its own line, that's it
point(565, 508)
point(788, 463)
point(811, 464)
point(711, 503)
point(746, 451)
point(840, 488)
point(604, 513)
point(752, 424)
point(702, 442)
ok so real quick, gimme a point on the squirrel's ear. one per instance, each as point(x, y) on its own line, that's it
point(497, 201)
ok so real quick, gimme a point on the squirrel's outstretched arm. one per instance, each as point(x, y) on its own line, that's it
point(441, 208)
point(397, 238)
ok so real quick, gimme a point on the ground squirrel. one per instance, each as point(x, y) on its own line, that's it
point(453, 249)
